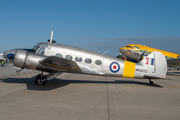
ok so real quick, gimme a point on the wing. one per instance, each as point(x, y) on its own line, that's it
point(60, 64)
point(173, 62)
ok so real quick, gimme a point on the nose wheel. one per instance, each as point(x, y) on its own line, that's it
point(40, 79)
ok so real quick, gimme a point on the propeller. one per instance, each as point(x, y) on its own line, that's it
point(141, 56)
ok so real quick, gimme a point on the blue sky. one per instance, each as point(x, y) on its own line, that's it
point(95, 25)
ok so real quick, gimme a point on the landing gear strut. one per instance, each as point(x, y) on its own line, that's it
point(41, 79)
point(151, 82)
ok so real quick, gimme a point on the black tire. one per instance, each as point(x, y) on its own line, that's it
point(151, 83)
point(38, 80)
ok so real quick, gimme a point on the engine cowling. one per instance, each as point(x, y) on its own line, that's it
point(19, 58)
point(24, 59)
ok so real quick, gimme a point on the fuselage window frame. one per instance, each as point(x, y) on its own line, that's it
point(68, 57)
point(98, 62)
point(78, 59)
point(88, 60)
point(59, 55)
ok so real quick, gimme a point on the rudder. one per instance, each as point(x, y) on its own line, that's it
point(160, 64)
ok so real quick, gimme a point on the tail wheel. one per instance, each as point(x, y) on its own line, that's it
point(151, 82)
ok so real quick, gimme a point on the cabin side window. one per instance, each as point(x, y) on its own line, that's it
point(88, 60)
point(78, 59)
point(98, 62)
point(59, 55)
point(69, 57)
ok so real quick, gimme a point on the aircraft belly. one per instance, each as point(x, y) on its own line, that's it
point(86, 69)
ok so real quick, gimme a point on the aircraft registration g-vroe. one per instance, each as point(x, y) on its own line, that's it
point(57, 58)
point(135, 52)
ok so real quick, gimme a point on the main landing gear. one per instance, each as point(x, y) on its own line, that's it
point(42, 79)
point(151, 82)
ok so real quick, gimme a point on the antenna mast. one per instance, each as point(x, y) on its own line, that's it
point(51, 37)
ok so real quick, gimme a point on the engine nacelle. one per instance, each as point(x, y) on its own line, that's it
point(19, 58)
point(32, 60)
point(24, 59)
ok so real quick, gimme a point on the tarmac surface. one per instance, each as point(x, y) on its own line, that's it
point(87, 97)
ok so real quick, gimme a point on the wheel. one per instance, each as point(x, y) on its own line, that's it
point(40, 80)
point(151, 82)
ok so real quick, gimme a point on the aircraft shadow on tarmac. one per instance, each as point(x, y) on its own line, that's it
point(57, 83)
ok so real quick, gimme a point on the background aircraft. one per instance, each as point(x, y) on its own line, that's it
point(58, 58)
point(2, 57)
point(135, 53)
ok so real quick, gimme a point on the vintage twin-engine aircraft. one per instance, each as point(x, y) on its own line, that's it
point(136, 52)
point(58, 58)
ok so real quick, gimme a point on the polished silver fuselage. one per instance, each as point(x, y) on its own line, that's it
point(89, 68)
point(54, 58)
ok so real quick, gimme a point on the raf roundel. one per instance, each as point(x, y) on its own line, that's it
point(114, 67)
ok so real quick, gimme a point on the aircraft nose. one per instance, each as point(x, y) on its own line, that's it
point(9, 54)
point(122, 50)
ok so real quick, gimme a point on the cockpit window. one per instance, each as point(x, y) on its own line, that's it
point(37, 46)
point(41, 51)
point(128, 46)
point(40, 48)
point(36, 49)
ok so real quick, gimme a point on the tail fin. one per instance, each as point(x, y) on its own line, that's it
point(161, 64)
point(157, 63)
